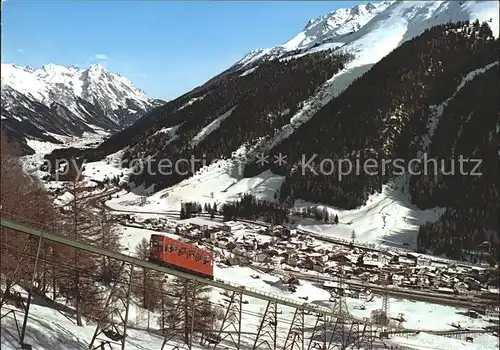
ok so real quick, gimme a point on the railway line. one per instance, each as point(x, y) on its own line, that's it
point(217, 283)
point(430, 297)
point(361, 327)
point(426, 296)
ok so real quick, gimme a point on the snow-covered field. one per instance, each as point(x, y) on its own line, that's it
point(32, 163)
point(217, 183)
point(387, 218)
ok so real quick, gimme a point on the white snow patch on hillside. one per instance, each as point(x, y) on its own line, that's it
point(211, 184)
point(437, 111)
point(171, 131)
point(248, 71)
point(387, 218)
point(102, 171)
point(214, 125)
point(191, 101)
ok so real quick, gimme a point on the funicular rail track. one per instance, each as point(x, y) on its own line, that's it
point(148, 265)
point(361, 329)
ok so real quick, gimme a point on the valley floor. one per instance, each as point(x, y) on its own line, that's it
point(387, 219)
point(50, 329)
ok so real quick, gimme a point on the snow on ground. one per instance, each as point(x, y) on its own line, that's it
point(32, 163)
point(211, 184)
point(50, 329)
point(207, 130)
point(387, 217)
point(426, 341)
point(419, 315)
point(107, 168)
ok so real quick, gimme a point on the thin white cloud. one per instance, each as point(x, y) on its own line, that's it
point(101, 56)
point(18, 50)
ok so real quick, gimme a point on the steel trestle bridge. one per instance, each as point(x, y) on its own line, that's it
point(334, 328)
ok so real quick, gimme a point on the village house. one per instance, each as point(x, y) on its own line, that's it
point(318, 257)
point(293, 260)
point(232, 226)
point(342, 258)
point(259, 257)
point(319, 267)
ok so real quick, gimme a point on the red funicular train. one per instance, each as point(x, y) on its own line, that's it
point(181, 256)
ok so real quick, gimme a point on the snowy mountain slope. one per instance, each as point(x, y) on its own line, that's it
point(369, 32)
point(68, 101)
point(328, 115)
point(386, 23)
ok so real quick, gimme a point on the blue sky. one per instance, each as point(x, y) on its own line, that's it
point(165, 48)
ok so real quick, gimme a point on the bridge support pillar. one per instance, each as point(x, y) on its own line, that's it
point(295, 337)
point(232, 319)
point(360, 335)
point(180, 318)
point(320, 337)
point(176, 316)
point(266, 333)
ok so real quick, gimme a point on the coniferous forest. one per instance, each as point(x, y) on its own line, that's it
point(388, 113)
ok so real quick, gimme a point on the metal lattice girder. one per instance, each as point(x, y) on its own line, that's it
point(340, 308)
point(267, 328)
point(151, 266)
point(232, 319)
point(340, 333)
point(295, 337)
point(111, 323)
point(365, 336)
point(321, 337)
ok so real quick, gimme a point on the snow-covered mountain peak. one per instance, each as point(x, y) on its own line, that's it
point(96, 67)
point(339, 22)
point(363, 26)
point(55, 83)
point(84, 99)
